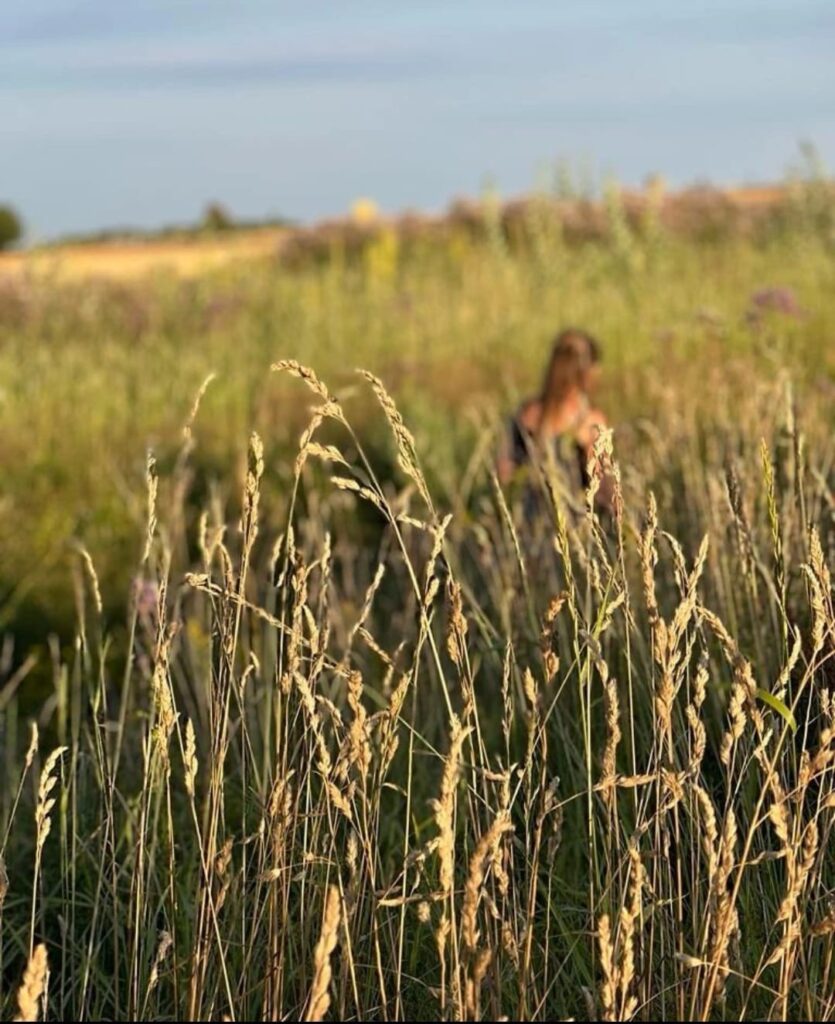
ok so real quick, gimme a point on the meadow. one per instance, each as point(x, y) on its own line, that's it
point(302, 718)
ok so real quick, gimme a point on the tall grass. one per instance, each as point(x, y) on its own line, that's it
point(489, 767)
point(371, 741)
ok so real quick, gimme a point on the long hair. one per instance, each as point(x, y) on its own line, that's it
point(574, 354)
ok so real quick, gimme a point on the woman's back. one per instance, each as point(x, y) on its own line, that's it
point(530, 443)
point(556, 431)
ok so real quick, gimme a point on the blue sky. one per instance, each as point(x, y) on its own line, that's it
point(117, 112)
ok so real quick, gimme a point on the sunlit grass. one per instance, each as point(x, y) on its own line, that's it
point(341, 733)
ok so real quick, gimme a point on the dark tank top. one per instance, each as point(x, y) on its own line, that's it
point(569, 456)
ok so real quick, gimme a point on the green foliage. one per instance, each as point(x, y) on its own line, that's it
point(217, 218)
point(11, 227)
point(93, 372)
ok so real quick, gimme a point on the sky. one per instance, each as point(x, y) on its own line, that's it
point(138, 112)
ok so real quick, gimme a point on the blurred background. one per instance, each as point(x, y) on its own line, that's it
point(191, 189)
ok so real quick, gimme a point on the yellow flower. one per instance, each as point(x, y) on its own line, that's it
point(364, 211)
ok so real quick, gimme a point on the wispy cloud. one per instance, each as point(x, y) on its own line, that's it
point(156, 71)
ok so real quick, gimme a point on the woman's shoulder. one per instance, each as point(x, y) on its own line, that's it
point(588, 429)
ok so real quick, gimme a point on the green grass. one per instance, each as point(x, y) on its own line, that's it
point(637, 818)
point(93, 374)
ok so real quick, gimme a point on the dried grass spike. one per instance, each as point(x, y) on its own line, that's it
point(319, 1002)
point(32, 989)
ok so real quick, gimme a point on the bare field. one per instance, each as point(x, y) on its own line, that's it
point(125, 260)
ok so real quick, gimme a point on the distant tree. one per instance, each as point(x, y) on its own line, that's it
point(11, 227)
point(217, 218)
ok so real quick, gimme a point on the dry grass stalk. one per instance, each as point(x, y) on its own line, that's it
point(608, 769)
point(406, 453)
point(534, 718)
point(358, 733)
point(4, 883)
point(444, 806)
point(457, 632)
point(485, 851)
point(649, 559)
point(324, 760)
point(190, 758)
point(724, 915)
point(152, 482)
point(165, 714)
point(222, 869)
point(166, 941)
point(43, 809)
point(389, 739)
point(188, 428)
point(617, 954)
point(90, 570)
point(32, 991)
point(473, 983)
point(609, 985)
point(252, 487)
point(304, 373)
point(319, 1001)
point(550, 657)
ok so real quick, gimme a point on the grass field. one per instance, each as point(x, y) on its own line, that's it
point(192, 253)
point(325, 728)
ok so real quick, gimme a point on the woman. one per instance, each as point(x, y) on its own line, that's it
point(561, 422)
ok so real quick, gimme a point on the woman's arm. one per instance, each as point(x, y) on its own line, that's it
point(508, 460)
point(514, 450)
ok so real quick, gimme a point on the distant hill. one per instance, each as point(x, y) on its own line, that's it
point(699, 211)
point(167, 233)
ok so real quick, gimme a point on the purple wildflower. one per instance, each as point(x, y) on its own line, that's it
point(776, 299)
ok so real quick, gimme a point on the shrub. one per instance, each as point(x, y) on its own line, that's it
point(217, 218)
point(11, 227)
